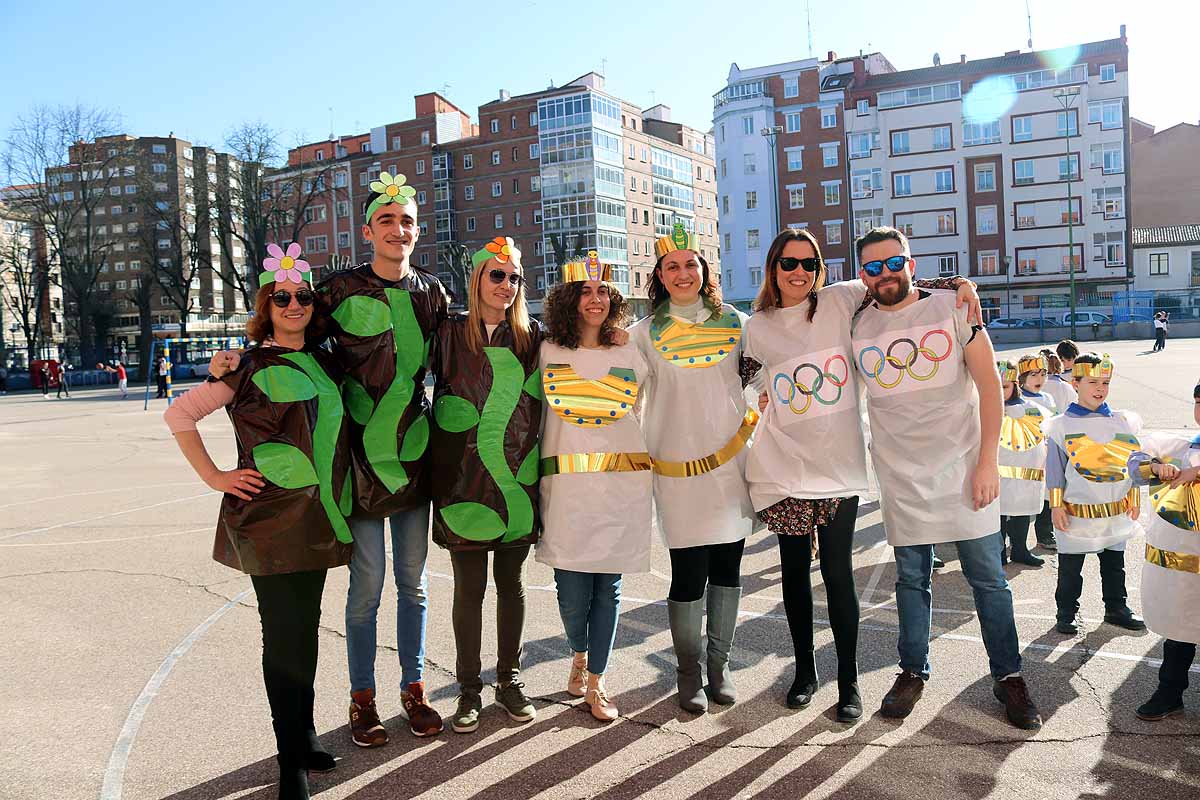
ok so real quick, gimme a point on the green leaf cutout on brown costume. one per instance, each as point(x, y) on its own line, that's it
point(284, 384)
point(527, 473)
point(474, 521)
point(284, 465)
point(363, 316)
point(454, 414)
point(358, 402)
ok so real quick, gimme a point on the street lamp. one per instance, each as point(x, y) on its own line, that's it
point(770, 132)
point(1067, 97)
point(1007, 261)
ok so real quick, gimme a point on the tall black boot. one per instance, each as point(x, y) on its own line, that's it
point(293, 778)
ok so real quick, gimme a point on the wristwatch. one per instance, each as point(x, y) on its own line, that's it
point(210, 378)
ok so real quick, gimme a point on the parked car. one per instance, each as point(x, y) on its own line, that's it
point(1009, 322)
point(1087, 318)
point(196, 370)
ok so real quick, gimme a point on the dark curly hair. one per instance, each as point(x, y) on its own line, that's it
point(561, 315)
point(259, 327)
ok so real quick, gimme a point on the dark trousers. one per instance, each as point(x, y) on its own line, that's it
point(693, 568)
point(62, 389)
point(470, 584)
point(289, 606)
point(837, 571)
point(1177, 660)
point(1070, 582)
point(162, 386)
point(1043, 525)
point(1160, 339)
point(1015, 531)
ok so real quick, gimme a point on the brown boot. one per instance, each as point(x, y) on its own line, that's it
point(365, 728)
point(905, 692)
point(422, 719)
point(1018, 705)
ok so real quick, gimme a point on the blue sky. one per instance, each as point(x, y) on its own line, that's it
point(205, 67)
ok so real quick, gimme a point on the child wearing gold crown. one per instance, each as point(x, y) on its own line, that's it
point(1093, 501)
point(1033, 370)
point(1171, 574)
point(1022, 464)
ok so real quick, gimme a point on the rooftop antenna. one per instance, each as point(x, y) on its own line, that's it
point(445, 90)
point(604, 66)
point(808, 6)
point(1029, 21)
point(331, 123)
point(653, 101)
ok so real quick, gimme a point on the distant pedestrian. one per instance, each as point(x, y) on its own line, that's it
point(3, 379)
point(63, 386)
point(1160, 331)
point(122, 376)
point(44, 378)
point(160, 370)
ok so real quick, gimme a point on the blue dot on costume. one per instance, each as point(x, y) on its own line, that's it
point(565, 410)
point(580, 420)
point(720, 352)
point(673, 358)
point(628, 392)
point(599, 421)
point(691, 361)
point(613, 413)
point(623, 405)
point(664, 346)
point(731, 340)
point(708, 358)
point(626, 379)
point(557, 401)
point(549, 374)
point(552, 387)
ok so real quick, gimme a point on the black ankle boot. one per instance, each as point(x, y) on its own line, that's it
point(849, 707)
point(293, 779)
point(802, 691)
point(316, 757)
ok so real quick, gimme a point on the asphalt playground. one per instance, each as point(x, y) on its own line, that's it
point(130, 660)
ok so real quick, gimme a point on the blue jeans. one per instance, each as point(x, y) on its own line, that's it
point(980, 559)
point(589, 603)
point(368, 570)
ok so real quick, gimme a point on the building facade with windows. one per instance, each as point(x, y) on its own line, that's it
point(30, 289)
point(1167, 166)
point(1166, 257)
point(1006, 169)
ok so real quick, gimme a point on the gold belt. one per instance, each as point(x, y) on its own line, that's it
point(595, 462)
point(1023, 473)
point(699, 466)
point(1098, 510)
point(1184, 562)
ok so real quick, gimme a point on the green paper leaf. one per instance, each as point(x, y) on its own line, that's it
point(528, 471)
point(412, 349)
point(473, 521)
point(346, 504)
point(454, 414)
point(284, 465)
point(358, 402)
point(360, 315)
point(533, 384)
point(415, 439)
point(284, 384)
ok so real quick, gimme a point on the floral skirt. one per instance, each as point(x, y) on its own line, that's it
point(792, 516)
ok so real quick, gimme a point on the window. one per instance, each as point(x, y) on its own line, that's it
point(320, 155)
point(936, 93)
point(796, 197)
point(468, 161)
point(341, 209)
point(646, 217)
point(748, 164)
point(513, 155)
point(633, 215)
point(752, 239)
point(120, 265)
point(985, 177)
point(420, 198)
point(495, 158)
point(947, 266)
point(943, 180)
point(533, 119)
point(795, 159)
point(864, 182)
point(340, 179)
point(160, 149)
point(833, 233)
point(866, 219)
point(534, 150)
point(1023, 172)
point(791, 87)
point(725, 204)
point(314, 214)
point(537, 220)
point(901, 185)
point(756, 275)
point(747, 125)
point(470, 224)
point(829, 117)
point(159, 169)
point(1108, 74)
point(469, 193)
point(512, 122)
point(420, 166)
point(981, 132)
point(1105, 112)
point(497, 188)
point(791, 122)
point(941, 138)
point(316, 244)
point(1110, 247)
point(945, 222)
point(1160, 263)
point(904, 224)
point(727, 242)
point(900, 142)
point(535, 183)
point(724, 172)
point(1022, 129)
point(985, 220)
point(495, 126)
point(751, 201)
point(343, 239)
point(395, 142)
point(498, 222)
point(516, 185)
point(863, 107)
point(131, 189)
point(833, 193)
point(517, 218)
point(829, 156)
point(1066, 216)
point(1068, 168)
point(989, 263)
point(1108, 156)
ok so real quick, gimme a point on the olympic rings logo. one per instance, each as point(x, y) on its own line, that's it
point(905, 365)
point(798, 388)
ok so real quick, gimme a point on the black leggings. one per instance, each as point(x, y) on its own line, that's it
point(837, 571)
point(289, 606)
point(693, 568)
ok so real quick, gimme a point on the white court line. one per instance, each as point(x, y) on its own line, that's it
point(107, 541)
point(114, 775)
point(105, 516)
point(98, 491)
point(877, 573)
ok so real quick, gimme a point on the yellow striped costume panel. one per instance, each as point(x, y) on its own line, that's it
point(695, 345)
point(581, 401)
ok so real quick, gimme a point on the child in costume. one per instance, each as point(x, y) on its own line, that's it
point(596, 476)
point(1171, 574)
point(1033, 376)
point(1056, 386)
point(1093, 501)
point(283, 513)
point(487, 416)
point(1022, 465)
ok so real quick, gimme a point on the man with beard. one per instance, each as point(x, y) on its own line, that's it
point(933, 397)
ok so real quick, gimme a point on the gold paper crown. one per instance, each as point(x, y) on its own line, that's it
point(586, 269)
point(680, 239)
point(1008, 373)
point(1085, 370)
point(1031, 363)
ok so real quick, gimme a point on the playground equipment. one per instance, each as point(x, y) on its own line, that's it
point(217, 341)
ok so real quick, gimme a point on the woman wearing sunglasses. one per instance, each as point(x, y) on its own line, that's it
point(697, 424)
point(808, 464)
point(487, 411)
point(282, 517)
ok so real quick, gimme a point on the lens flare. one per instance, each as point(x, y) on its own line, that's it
point(989, 100)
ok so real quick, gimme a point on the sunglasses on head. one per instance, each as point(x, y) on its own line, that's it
point(894, 264)
point(788, 264)
point(283, 299)
point(498, 276)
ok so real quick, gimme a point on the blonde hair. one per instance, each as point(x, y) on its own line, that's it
point(517, 314)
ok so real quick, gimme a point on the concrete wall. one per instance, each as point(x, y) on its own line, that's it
point(1166, 178)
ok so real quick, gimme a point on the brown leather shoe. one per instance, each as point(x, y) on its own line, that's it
point(1018, 705)
point(365, 728)
point(422, 719)
point(905, 692)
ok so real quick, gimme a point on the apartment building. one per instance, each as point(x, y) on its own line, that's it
point(1010, 170)
point(31, 304)
point(1166, 189)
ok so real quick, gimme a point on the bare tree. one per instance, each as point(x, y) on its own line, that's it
point(141, 295)
point(455, 261)
point(173, 235)
point(24, 281)
point(69, 204)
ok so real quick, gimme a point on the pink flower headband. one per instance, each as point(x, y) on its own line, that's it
point(280, 266)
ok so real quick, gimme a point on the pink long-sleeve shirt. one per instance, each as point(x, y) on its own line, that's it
point(196, 404)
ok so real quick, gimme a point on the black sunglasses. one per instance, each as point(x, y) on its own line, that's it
point(283, 299)
point(788, 264)
point(498, 276)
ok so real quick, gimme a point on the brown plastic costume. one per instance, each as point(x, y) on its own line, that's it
point(288, 419)
point(487, 412)
point(381, 332)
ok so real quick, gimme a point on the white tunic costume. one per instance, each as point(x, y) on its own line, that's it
point(1061, 390)
point(924, 416)
point(1022, 458)
point(697, 423)
point(596, 481)
point(1171, 574)
point(1088, 463)
point(809, 443)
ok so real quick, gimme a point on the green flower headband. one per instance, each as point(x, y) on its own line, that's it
point(390, 190)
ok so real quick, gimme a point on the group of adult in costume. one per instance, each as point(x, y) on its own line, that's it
point(567, 436)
